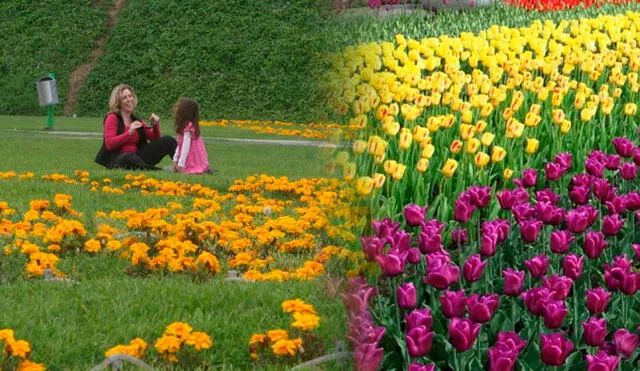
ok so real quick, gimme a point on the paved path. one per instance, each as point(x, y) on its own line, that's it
point(79, 135)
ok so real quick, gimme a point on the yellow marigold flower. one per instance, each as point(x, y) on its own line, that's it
point(26, 365)
point(257, 339)
point(119, 349)
point(199, 341)
point(29, 248)
point(92, 245)
point(178, 329)
point(422, 165)
point(449, 167)
point(18, 348)
point(481, 159)
point(498, 154)
point(168, 344)
point(305, 321)
point(297, 305)
point(630, 109)
point(507, 174)
point(532, 145)
point(286, 347)
point(113, 245)
point(278, 334)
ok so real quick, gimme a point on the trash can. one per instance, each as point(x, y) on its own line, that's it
point(47, 93)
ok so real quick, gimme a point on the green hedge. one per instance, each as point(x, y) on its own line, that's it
point(241, 59)
point(42, 36)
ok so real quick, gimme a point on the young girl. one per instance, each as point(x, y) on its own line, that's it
point(190, 156)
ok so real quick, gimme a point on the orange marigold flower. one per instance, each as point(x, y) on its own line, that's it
point(278, 334)
point(199, 341)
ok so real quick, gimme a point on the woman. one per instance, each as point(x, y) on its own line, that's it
point(129, 142)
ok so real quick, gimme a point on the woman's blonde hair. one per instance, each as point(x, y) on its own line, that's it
point(115, 99)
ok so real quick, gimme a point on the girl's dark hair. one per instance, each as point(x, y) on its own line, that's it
point(185, 111)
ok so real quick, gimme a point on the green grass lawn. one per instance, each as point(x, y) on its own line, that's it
point(70, 326)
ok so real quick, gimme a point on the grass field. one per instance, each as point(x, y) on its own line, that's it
point(70, 326)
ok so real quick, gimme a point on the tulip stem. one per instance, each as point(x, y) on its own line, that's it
point(456, 361)
point(513, 313)
point(575, 314)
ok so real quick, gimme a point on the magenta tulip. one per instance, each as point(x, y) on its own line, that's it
point(595, 331)
point(463, 333)
point(513, 281)
point(406, 294)
point(385, 227)
point(371, 247)
point(529, 178)
point(367, 356)
point(462, 211)
point(419, 340)
point(391, 264)
point(481, 308)
point(537, 266)
point(623, 146)
point(419, 317)
point(564, 159)
point(597, 300)
point(489, 244)
point(577, 221)
point(529, 230)
point(611, 225)
point(554, 312)
point(629, 171)
point(421, 367)
point(626, 342)
point(535, 298)
point(441, 273)
point(553, 171)
point(459, 236)
point(636, 156)
point(572, 266)
point(602, 362)
point(414, 214)
point(554, 349)
point(594, 244)
point(594, 167)
point(453, 303)
point(612, 162)
point(473, 268)
point(479, 196)
point(560, 241)
point(580, 194)
point(558, 285)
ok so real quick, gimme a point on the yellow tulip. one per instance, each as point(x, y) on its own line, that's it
point(507, 113)
point(556, 97)
point(341, 158)
point(349, 171)
point(630, 109)
point(535, 109)
point(422, 165)
point(390, 166)
point(428, 151)
point(486, 110)
point(565, 126)
point(467, 116)
point(481, 159)
point(498, 154)
point(617, 92)
point(557, 116)
point(532, 120)
point(543, 94)
point(586, 114)
point(394, 109)
point(359, 146)
point(433, 123)
point(481, 125)
point(467, 131)
point(455, 146)
point(507, 174)
point(449, 167)
point(405, 140)
point(487, 139)
point(532, 146)
point(398, 172)
point(472, 145)
point(514, 128)
point(364, 185)
point(376, 146)
point(448, 121)
point(378, 180)
point(382, 112)
point(391, 128)
point(420, 133)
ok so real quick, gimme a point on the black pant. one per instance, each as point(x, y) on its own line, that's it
point(148, 156)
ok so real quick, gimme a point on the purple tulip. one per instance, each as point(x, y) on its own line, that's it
point(502, 356)
point(419, 317)
point(400, 241)
point(572, 266)
point(489, 244)
point(612, 224)
point(603, 190)
point(529, 178)
point(554, 349)
point(594, 244)
point(558, 285)
point(595, 331)
point(391, 264)
point(564, 159)
point(597, 300)
point(385, 227)
point(623, 146)
point(371, 247)
point(553, 171)
point(612, 163)
point(513, 281)
point(523, 212)
point(560, 241)
point(414, 214)
point(529, 230)
point(421, 367)
point(463, 333)
point(510, 198)
point(580, 194)
point(479, 196)
point(535, 298)
point(459, 236)
point(367, 356)
point(548, 213)
point(430, 241)
point(511, 340)
point(473, 268)
point(406, 295)
point(626, 342)
point(481, 308)
point(577, 221)
point(618, 205)
point(453, 303)
point(419, 341)
point(629, 171)
point(441, 273)
point(594, 168)
point(537, 266)
point(462, 211)
point(554, 312)
point(414, 256)
point(602, 362)
point(547, 195)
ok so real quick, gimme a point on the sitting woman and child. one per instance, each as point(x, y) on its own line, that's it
point(131, 143)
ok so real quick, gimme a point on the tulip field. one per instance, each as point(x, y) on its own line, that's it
point(500, 168)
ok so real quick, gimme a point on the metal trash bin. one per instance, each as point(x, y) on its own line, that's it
point(47, 93)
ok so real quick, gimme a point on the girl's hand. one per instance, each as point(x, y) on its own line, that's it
point(154, 119)
point(134, 126)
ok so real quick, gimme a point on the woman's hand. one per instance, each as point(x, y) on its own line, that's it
point(154, 119)
point(134, 126)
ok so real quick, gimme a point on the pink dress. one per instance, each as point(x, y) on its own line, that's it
point(190, 153)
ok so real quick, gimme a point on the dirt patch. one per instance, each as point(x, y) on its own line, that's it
point(80, 73)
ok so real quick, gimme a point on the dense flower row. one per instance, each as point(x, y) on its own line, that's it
point(305, 319)
point(176, 240)
point(16, 353)
point(565, 249)
point(311, 130)
point(545, 5)
point(482, 106)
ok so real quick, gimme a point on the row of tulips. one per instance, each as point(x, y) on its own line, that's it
point(550, 5)
point(543, 275)
point(479, 108)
